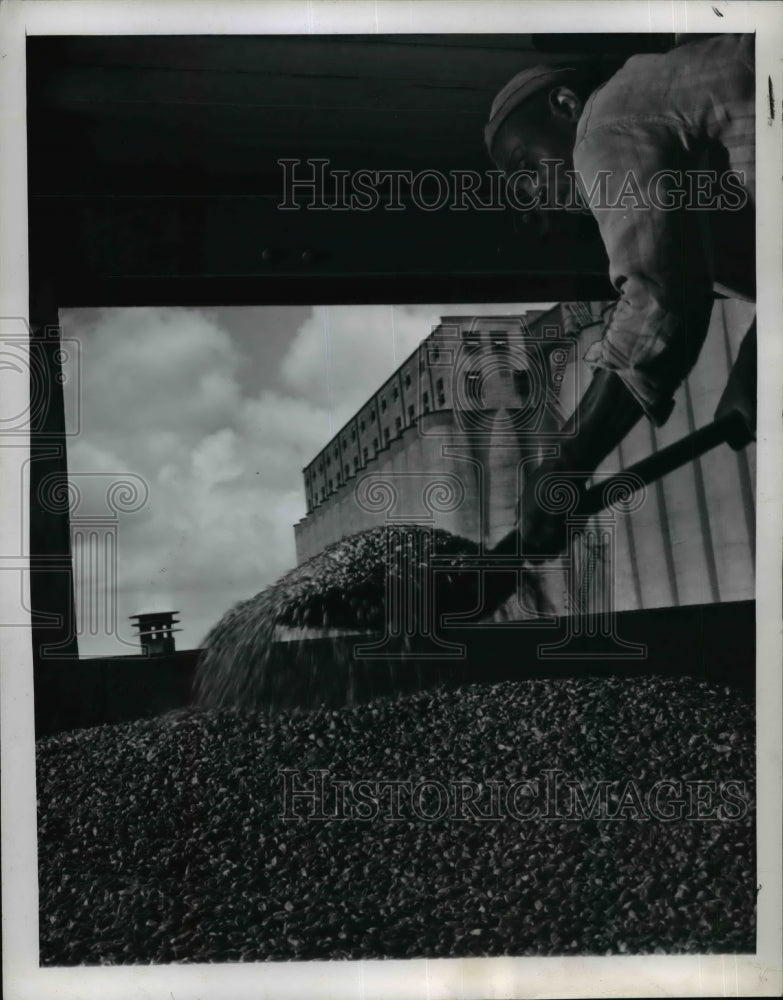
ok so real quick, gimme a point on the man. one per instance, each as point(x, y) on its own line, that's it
point(662, 155)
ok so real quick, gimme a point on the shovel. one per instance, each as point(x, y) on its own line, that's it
point(734, 424)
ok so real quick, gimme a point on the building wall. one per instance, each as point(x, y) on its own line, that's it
point(444, 441)
point(411, 430)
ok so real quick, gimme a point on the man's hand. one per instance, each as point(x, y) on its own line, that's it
point(739, 397)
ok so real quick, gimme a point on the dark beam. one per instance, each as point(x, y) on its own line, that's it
point(256, 291)
point(51, 582)
point(136, 251)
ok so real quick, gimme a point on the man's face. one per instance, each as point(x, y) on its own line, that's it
point(530, 136)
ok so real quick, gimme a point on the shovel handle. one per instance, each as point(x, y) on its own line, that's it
point(648, 470)
point(660, 463)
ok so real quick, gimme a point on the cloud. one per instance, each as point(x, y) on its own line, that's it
point(341, 353)
point(160, 399)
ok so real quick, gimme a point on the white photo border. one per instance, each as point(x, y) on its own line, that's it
point(689, 975)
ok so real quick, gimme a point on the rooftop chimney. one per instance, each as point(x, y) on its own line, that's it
point(156, 632)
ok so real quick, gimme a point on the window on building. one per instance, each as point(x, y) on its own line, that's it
point(347, 470)
point(425, 399)
point(439, 385)
point(397, 424)
point(411, 413)
point(375, 443)
point(328, 460)
point(383, 404)
point(386, 434)
point(330, 486)
point(395, 393)
point(364, 453)
point(407, 380)
point(522, 383)
point(353, 434)
point(372, 416)
point(362, 426)
point(471, 340)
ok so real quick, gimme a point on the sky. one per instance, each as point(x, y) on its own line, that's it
point(217, 411)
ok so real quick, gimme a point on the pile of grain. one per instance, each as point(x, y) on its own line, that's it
point(344, 587)
point(163, 840)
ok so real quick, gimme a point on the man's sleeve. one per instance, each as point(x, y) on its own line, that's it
point(632, 175)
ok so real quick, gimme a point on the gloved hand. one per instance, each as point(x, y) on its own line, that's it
point(739, 397)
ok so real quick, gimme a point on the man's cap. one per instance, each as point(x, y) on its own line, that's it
point(518, 89)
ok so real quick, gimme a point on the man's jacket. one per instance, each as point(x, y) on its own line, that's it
point(665, 159)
